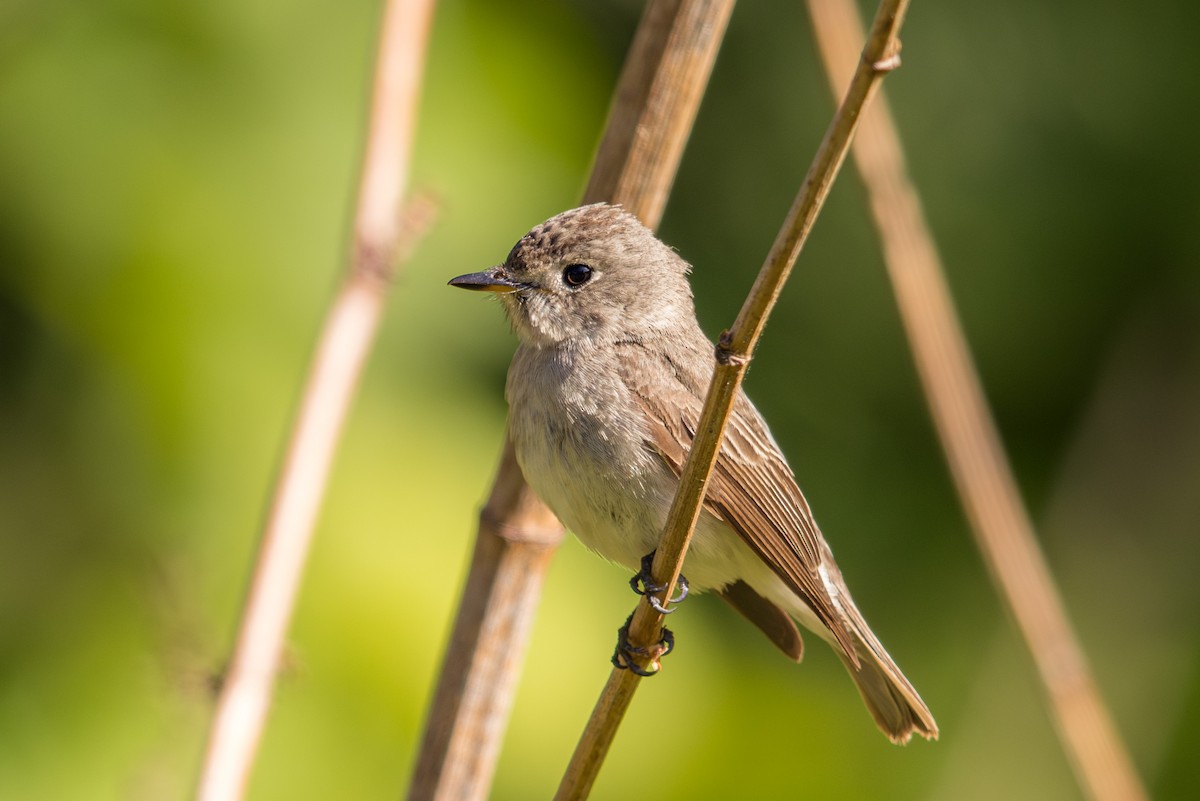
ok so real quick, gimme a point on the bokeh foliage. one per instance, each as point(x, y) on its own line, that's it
point(175, 182)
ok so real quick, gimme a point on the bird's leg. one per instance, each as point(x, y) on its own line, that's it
point(643, 584)
point(626, 654)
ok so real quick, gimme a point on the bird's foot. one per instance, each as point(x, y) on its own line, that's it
point(627, 655)
point(643, 584)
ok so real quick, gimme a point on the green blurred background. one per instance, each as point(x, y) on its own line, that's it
point(175, 188)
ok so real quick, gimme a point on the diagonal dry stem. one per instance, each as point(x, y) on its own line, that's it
point(465, 725)
point(734, 352)
point(655, 104)
point(1002, 528)
point(657, 98)
point(381, 232)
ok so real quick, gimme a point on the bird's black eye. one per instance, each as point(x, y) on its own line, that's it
point(577, 274)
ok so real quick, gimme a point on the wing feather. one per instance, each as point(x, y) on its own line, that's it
point(751, 488)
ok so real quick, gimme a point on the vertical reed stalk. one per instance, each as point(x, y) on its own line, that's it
point(654, 106)
point(381, 235)
point(1001, 525)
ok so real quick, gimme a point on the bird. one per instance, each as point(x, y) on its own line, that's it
point(605, 392)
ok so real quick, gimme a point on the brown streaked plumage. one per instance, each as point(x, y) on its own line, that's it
point(605, 393)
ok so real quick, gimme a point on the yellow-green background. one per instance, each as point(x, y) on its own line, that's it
point(175, 189)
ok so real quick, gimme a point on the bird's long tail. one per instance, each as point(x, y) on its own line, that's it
point(889, 696)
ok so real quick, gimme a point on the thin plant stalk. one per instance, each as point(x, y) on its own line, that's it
point(464, 728)
point(655, 104)
point(1003, 531)
point(734, 352)
point(381, 233)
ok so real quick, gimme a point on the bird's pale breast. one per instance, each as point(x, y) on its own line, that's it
point(581, 444)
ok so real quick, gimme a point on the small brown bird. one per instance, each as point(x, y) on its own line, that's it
point(605, 392)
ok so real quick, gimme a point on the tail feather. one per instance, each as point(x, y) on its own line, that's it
point(892, 701)
point(890, 698)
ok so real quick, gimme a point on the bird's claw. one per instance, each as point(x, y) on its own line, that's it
point(643, 584)
point(626, 655)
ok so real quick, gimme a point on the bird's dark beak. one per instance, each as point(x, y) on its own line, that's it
point(493, 280)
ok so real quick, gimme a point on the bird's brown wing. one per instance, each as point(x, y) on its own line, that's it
point(751, 488)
